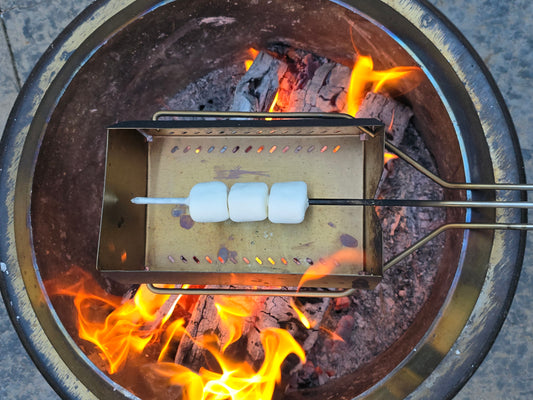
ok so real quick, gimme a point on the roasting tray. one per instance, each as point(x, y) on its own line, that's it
point(336, 155)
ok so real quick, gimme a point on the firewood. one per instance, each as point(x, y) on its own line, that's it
point(257, 88)
point(308, 84)
point(265, 312)
point(392, 113)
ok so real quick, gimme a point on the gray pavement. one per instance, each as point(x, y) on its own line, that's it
point(501, 32)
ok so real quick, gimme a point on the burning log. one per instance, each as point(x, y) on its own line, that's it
point(301, 82)
point(392, 113)
point(238, 322)
point(257, 88)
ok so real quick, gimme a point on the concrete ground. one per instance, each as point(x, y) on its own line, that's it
point(501, 32)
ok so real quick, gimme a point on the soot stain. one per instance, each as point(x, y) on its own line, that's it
point(223, 253)
point(186, 221)
point(233, 255)
point(236, 173)
point(348, 240)
point(176, 212)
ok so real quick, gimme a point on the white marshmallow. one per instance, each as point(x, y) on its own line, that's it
point(248, 202)
point(208, 202)
point(288, 202)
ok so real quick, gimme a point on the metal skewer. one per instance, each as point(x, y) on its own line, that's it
point(367, 202)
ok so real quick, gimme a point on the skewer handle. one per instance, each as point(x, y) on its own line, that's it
point(419, 203)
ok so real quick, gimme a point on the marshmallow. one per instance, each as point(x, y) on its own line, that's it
point(248, 202)
point(287, 202)
point(208, 202)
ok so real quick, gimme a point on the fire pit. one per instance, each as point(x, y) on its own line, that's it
point(65, 135)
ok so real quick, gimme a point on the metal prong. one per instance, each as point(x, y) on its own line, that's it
point(251, 115)
point(420, 203)
point(367, 202)
point(450, 185)
point(251, 292)
point(438, 231)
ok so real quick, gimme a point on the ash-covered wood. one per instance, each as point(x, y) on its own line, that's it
point(393, 114)
point(212, 92)
point(257, 88)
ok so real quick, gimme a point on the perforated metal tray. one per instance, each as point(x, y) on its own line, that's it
point(161, 244)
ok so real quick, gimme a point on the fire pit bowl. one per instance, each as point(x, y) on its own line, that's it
point(120, 59)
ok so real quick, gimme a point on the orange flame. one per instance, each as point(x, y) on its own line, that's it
point(133, 324)
point(273, 105)
point(174, 332)
point(128, 328)
point(232, 311)
point(391, 125)
point(253, 54)
point(332, 334)
point(237, 381)
point(364, 77)
point(346, 255)
point(303, 319)
point(274, 102)
point(388, 157)
point(325, 267)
